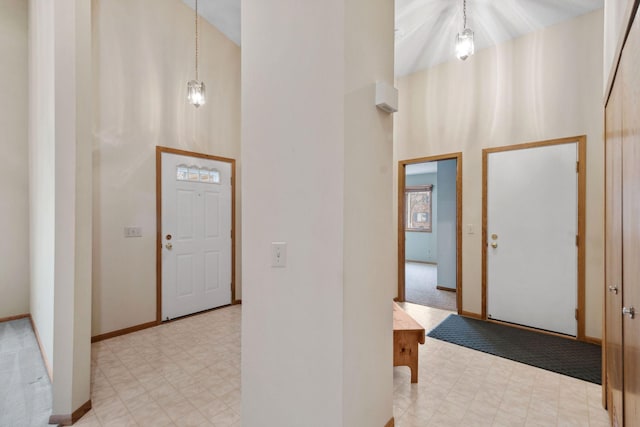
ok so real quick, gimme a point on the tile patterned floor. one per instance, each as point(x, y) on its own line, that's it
point(187, 373)
point(462, 387)
point(184, 373)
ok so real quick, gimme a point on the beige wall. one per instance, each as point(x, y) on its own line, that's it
point(616, 17)
point(316, 335)
point(543, 86)
point(143, 58)
point(42, 172)
point(14, 173)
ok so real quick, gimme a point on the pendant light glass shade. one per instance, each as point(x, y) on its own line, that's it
point(464, 44)
point(196, 93)
point(464, 39)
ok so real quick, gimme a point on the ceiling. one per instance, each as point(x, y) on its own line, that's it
point(222, 14)
point(426, 29)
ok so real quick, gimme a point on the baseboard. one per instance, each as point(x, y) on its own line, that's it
point(197, 313)
point(421, 262)
point(79, 413)
point(124, 331)
point(67, 420)
point(444, 288)
point(142, 326)
point(592, 340)
point(16, 317)
point(390, 423)
point(470, 314)
point(41, 347)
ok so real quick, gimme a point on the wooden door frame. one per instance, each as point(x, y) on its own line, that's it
point(581, 142)
point(232, 163)
point(401, 236)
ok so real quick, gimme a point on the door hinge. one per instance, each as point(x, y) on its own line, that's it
point(577, 240)
point(576, 314)
point(577, 166)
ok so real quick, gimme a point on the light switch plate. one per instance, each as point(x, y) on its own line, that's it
point(278, 254)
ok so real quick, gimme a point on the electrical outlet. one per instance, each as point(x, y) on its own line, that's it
point(133, 231)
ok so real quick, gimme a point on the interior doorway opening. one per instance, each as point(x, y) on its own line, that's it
point(429, 231)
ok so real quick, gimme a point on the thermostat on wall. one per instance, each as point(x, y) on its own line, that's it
point(386, 97)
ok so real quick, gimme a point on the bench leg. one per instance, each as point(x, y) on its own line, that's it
point(406, 354)
point(414, 369)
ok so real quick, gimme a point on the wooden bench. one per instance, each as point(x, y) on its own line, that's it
point(407, 333)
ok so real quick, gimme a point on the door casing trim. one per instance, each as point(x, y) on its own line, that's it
point(232, 163)
point(581, 142)
point(401, 236)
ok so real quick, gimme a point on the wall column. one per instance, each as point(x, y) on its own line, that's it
point(60, 148)
point(317, 174)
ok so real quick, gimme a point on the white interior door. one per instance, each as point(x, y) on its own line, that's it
point(532, 223)
point(196, 235)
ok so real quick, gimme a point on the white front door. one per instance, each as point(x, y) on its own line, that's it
point(196, 234)
point(532, 223)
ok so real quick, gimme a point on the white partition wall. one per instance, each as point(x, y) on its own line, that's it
point(317, 174)
point(60, 195)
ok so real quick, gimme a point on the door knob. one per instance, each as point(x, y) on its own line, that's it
point(613, 289)
point(169, 246)
point(494, 245)
point(631, 312)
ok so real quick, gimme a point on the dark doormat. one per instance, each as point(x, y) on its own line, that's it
point(565, 356)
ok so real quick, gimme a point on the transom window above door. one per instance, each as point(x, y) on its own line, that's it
point(197, 174)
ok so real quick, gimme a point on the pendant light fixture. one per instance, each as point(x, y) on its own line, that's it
point(195, 88)
point(464, 39)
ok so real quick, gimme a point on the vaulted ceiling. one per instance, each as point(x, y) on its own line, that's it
point(426, 29)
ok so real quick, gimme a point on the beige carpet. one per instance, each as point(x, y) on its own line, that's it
point(420, 287)
point(25, 390)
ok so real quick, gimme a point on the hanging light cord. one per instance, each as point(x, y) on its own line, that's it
point(196, 40)
point(464, 13)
